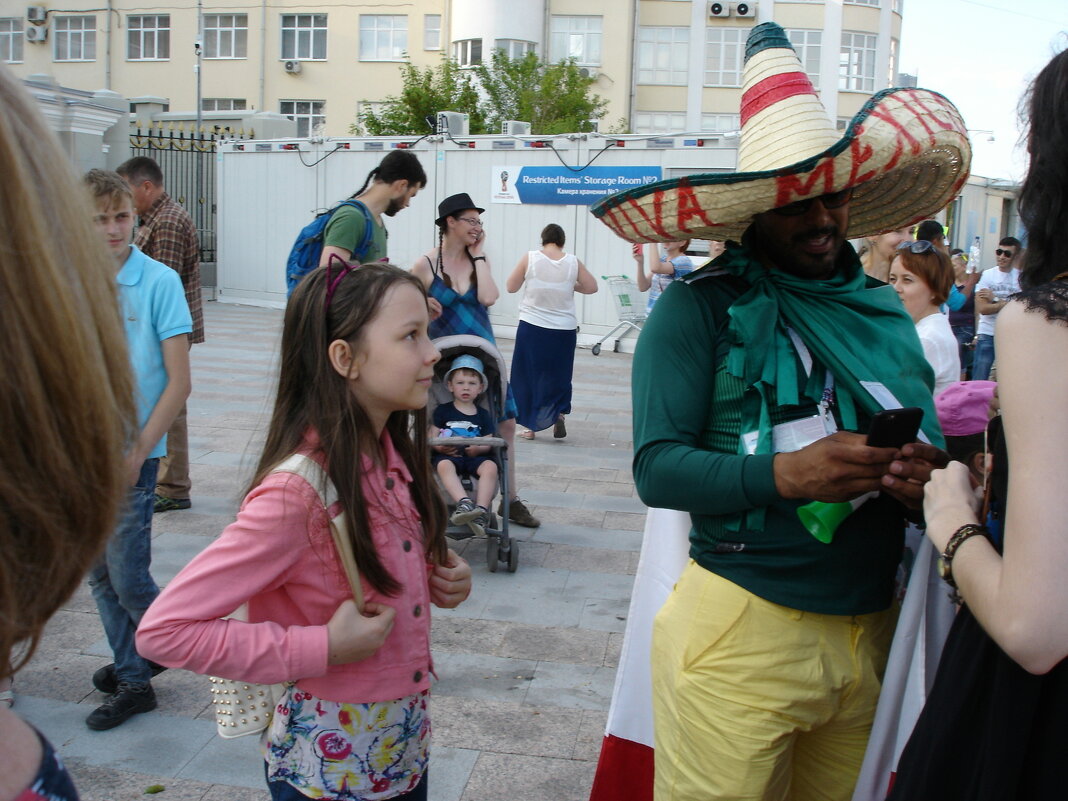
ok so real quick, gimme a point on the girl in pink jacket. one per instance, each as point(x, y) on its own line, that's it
point(356, 366)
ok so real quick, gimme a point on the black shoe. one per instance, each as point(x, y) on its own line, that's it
point(165, 504)
point(107, 682)
point(559, 429)
point(130, 700)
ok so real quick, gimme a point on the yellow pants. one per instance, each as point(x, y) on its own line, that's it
point(752, 700)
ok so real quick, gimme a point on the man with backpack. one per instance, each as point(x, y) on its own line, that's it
point(353, 229)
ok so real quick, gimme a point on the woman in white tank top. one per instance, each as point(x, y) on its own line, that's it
point(544, 355)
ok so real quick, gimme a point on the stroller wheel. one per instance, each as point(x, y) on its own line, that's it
point(493, 553)
point(596, 349)
point(513, 556)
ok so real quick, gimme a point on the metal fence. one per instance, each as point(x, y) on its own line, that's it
point(187, 158)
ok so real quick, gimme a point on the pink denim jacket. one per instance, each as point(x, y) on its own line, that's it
point(279, 557)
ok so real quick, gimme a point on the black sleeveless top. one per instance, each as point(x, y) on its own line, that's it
point(991, 731)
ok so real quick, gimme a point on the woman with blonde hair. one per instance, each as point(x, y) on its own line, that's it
point(66, 409)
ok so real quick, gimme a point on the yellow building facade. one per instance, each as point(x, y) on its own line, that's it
point(662, 65)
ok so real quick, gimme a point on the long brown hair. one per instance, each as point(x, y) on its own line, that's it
point(66, 401)
point(312, 396)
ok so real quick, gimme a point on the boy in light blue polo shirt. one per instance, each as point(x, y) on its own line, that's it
point(157, 322)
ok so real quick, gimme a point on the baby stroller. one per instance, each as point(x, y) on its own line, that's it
point(499, 546)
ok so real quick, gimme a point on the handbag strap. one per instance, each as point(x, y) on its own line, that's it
point(310, 470)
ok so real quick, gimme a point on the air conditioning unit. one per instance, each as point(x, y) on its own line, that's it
point(718, 10)
point(745, 9)
point(454, 123)
point(515, 128)
point(37, 33)
point(293, 67)
point(589, 72)
point(36, 14)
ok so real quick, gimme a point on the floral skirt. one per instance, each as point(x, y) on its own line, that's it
point(348, 752)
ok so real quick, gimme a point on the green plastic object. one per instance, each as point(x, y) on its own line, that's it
point(822, 519)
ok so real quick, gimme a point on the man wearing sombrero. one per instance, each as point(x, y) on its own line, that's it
point(768, 655)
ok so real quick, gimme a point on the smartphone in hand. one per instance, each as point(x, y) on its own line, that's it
point(893, 428)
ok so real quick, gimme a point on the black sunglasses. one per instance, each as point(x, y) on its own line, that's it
point(1001, 252)
point(834, 200)
point(919, 246)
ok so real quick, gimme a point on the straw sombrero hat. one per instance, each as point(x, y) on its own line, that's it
point(906, 153)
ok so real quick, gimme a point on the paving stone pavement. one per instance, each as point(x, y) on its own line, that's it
point(526, 665)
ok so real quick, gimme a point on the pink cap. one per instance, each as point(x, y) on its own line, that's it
point(963, 407)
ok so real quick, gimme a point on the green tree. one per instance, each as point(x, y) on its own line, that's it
point(553, 98)
point(426, 92)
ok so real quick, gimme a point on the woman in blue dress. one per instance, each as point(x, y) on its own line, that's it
point(459, 281)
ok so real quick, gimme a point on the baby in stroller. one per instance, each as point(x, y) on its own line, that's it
point(460, 419)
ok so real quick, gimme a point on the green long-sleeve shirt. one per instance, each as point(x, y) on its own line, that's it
point(687, 423)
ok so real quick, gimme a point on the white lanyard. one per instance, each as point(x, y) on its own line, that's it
point(826, 401)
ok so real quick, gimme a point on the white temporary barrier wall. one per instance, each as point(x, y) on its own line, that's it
point(268, 190)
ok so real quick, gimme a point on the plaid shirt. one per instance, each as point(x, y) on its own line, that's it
point(167, 234)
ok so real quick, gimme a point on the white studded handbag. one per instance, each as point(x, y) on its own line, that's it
point(243, 707)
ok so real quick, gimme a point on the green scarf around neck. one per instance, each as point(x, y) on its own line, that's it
point(859, 334)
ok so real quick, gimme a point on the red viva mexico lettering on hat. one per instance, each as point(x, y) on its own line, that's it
point(790, 150)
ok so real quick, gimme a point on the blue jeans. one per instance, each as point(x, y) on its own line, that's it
point(965, 334)
point(984, 357)
point(284, 791)
point(122, 586)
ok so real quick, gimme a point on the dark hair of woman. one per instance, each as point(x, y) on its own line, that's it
point(443, 226)
point(553, 234)
point(1043, 199)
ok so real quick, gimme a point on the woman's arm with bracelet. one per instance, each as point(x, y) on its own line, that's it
point(1019, 597)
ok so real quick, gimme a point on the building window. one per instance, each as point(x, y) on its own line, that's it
point(467, 52)
point(308, 114)
point(896, 6)
point(663, 55)
point(659, 121)
point(432, 31)
point(75, 38)
point(514, 48)
point(304, 37)
point(808, 46)
point(383, 37)
point(872, 3)
point(724, 55)
point(575, 37)
point(148, 37)
point(11, 40)
point(856, 63)
point(721, 123)
point(891, 73)
point(222, 104)
point(225, 35)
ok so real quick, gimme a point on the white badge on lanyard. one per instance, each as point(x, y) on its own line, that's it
point(795, 435)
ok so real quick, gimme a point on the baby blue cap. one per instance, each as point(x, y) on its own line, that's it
point(468, 362)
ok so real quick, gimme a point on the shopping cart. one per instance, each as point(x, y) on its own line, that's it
point(629, 305)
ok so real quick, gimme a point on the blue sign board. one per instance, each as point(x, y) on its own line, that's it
point(562, 186)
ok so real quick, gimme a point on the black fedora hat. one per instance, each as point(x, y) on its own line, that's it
point(455, 203)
